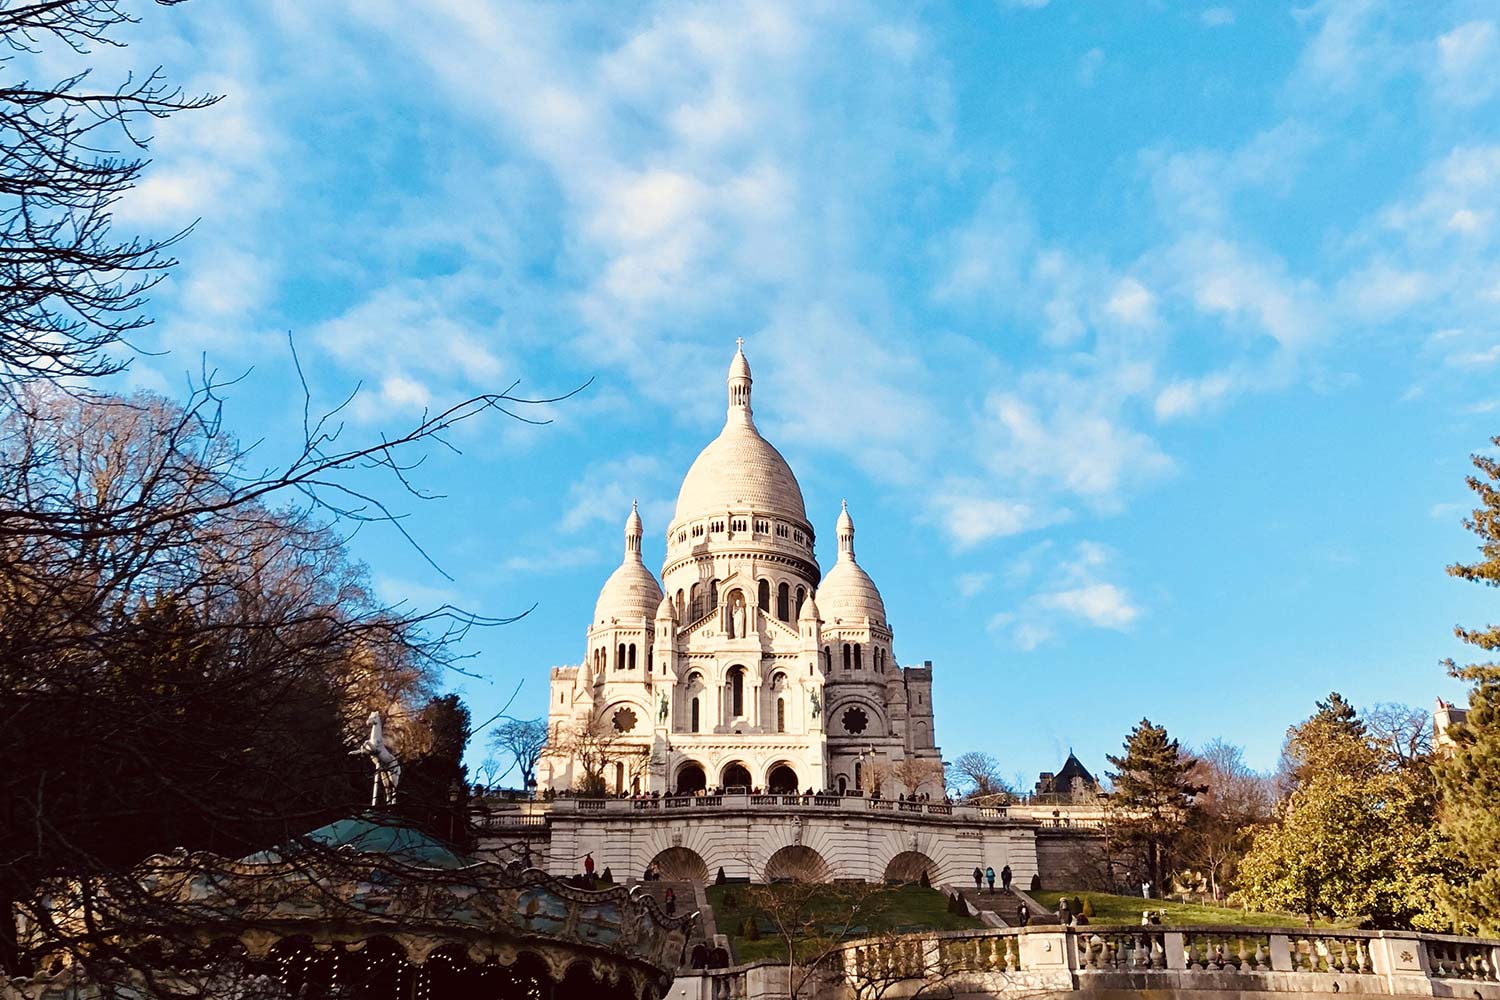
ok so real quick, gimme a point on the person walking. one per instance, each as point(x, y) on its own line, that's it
point(989, 876)
point(1005, 877)
point(588, 866)
point(978, 877)
point(671, 906)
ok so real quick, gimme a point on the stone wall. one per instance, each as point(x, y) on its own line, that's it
point(751, 836)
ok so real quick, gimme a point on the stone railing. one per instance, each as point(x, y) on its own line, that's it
point(782, 803)
point(1022, 961)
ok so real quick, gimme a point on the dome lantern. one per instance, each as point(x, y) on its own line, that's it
point(846, 533)
point(739, 383)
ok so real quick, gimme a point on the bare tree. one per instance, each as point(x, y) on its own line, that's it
point(1403, 734)
point(913, 773)
point(811, 921)
point(977, 775)
point(1235, 801)
point(72, 290)
point(524, 740)
point(596, 747)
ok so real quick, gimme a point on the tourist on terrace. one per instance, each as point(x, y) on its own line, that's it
point(588, 866)
point(989, 876)
point(1005, 877)
point(978, 878)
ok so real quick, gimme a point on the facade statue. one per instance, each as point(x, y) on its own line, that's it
point(661, 707)
point(817, 706)
point(387, 767)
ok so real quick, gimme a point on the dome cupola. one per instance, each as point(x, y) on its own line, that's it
point(740, 470)
point(847, 593)
point(631, 593)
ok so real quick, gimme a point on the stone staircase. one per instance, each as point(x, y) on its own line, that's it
point(990, 909)
point(689, 897)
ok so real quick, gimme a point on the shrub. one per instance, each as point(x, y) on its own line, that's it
point(608, 876)
point(1036, 883)
point(1088, 907)
point(926, 882)
point(1077, 905)
point(720, 878)
point(751, 930)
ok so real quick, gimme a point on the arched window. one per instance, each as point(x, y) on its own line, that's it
point(737, 691)
point(859, 661)
point(846, 656)
point(619, 776)
point(781, 715)
point(783, 610)
point(713, 594)
point(765, 595)
point(681, 605)
point(620, 658)
point(694, 728)
point(843, 784)
point(827, 659)
point(695, 595)
point(859, 774)
point(801, 596)
point(632, 657)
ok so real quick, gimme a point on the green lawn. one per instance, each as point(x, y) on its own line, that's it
point(1127, 910)
point(825, 910)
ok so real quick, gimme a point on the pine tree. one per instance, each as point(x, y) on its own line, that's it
point(1152, 796)
point(1469, 776)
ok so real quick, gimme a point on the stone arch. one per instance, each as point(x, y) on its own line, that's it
point(681, 864)
point(797, 863)
point(735, 773)
point(781, 779)
point(690, 778)
point(908, 866)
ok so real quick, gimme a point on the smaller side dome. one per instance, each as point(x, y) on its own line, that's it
point(847, 592)
point(809, 609)
point(667, 609)
point(631, 593)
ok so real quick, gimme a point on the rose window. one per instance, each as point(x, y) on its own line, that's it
point(624, 720)
point(855, 720)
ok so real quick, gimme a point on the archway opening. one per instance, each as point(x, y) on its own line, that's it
point(681, 864)
point(797, 863)
point(736, 777)
point(782, 780)
point(908, 866)
point(691, 779)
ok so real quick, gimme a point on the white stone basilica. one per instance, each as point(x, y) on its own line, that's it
point(741, 669)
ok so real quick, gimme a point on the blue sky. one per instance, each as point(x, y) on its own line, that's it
point(1148, 340)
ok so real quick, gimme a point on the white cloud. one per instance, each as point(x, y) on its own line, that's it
point(1464, 74)
point(1132, 303)
point(972, 519)
point(605, 491)
point(1217, 17)
point(1074, 594)
point(971, 584)
point(1189, 397)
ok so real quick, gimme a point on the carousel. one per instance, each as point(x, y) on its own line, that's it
point(366, 908)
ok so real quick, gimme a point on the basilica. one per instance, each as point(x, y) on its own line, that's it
point(746, 667)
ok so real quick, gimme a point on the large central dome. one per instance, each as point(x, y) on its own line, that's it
point(739, 469)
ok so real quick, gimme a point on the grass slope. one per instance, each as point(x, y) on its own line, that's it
point(1127, 910)
point(827, 910)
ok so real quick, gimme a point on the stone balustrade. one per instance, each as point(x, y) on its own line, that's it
point(1023, 962)
point(783, 803)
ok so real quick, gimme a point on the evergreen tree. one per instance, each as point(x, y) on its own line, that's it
point(1469, 776)
point(1152, 797)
